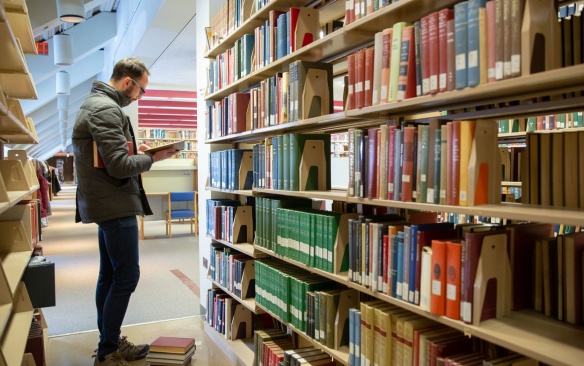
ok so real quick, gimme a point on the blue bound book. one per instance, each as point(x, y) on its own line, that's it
point(248, 41)
point(473, 65)
point(282, 33)
point(461, 43)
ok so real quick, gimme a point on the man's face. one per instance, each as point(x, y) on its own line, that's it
point(135, 88)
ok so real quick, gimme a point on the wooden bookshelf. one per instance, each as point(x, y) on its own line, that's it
point(559, 90)
point(15, 334)
point(239, 351)
point(244, 248)
point(239, 192)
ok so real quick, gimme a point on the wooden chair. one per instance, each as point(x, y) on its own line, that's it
point(183, 213)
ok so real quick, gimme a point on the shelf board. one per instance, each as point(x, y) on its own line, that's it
point(248, 192)
point(244, 248)
point(18, 85)
point(341, 355)
point(239, 351)
point(544, 83)
point(255, 20)
point(12, 130)
point(14, 264)
point(249, 304)
point(330, 122)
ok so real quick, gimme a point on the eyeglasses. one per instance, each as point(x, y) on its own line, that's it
point(142, 91)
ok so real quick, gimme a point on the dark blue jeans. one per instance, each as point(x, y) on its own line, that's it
point(119, 271)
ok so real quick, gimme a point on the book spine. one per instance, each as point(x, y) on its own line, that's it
point(461, 43)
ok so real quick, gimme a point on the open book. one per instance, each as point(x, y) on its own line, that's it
point(179, 145)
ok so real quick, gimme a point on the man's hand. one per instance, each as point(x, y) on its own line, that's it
point(163, 154)
point(142, 148)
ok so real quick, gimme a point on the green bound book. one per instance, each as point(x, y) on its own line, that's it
point(311, 153)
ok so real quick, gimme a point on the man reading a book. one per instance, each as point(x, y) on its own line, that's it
point(112, 197)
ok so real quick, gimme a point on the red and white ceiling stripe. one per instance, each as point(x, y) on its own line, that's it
point(168, 109)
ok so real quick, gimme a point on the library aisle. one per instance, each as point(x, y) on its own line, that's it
point(169, 269)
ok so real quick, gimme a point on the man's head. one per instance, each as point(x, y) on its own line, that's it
point(130, 77)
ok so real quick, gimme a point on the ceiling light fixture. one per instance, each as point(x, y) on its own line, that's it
point(71, 11)
point(63, 83)
point(63, 45)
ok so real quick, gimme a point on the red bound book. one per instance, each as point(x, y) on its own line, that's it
point(351, 82)
point(424, 26)
point(368, 83)
point(450, 56)
point(470, 255)
point(434, 51)
point(359, 79)
point(453, 253)
point(407, 71)
point(239, 108)
point(455, 172)
point(390, 161)
point(172, 345)
point(438, 278)
point(385, 262)
point(424, 239)
point(372, 164)
point(407, 177)
point(444, 16)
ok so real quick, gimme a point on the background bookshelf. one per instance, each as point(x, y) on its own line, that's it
point(529, 101)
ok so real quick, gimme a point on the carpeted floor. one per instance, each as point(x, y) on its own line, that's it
point(168, 281)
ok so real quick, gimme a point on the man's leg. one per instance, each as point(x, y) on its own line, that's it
point(121, 244)
point(104, 280)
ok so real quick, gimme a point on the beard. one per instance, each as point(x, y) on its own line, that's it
point(125, 98)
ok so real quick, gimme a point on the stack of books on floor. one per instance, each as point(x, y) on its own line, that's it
point(171, 351)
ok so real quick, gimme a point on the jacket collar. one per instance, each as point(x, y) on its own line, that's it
point(108, 90)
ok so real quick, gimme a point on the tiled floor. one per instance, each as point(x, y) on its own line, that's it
point(77, 349)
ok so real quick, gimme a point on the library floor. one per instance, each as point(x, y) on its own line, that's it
point(72, 337)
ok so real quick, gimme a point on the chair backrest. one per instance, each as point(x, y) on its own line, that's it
point(182, 196)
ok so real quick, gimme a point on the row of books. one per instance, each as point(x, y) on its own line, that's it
point(572, 34)
point(554, 168)
point(276, 347)
point(434, 163)
point(544, 122)
point(295, 162)
point(282, 289)
point(293, 229)
point(384, 334)
point(511, 162)
point(449, 49)
point(228, 268)
point(558, 263)
point(281, 34)
point(305, 91)
point(215, 219)
point(162, 133)
point(231, 15)
point(231, 169)
point(227, 316)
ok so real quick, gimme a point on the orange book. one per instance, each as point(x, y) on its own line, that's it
point(177, 345)
point(385, 64)
point(407, 69)
point(453, 255)
point(438, 278)
point(408, 164)
point(467, 129)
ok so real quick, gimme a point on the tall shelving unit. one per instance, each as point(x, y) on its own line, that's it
point(158, 136)
point(16, 181)
point(524, 332)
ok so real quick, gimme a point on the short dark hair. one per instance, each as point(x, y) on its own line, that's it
point(130, 66)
